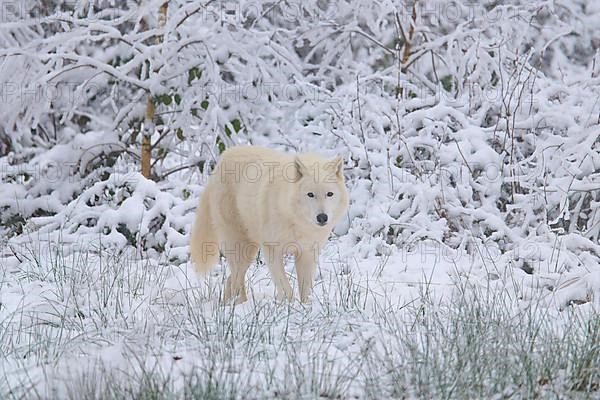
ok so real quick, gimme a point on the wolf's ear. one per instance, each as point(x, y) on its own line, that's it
point(339, 166)
point(300, 168)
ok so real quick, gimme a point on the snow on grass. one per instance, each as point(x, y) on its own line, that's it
point(95, 324)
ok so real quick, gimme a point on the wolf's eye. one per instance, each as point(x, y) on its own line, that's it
point(329, 194)
point(310, 194)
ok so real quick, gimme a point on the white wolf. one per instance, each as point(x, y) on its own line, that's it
point(258, 198)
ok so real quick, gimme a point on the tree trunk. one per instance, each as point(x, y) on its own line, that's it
point(146, 145)
point(411, 34)
point(150, 107)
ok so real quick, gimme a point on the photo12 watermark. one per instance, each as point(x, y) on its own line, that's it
point(61, 171)
point(69, 11)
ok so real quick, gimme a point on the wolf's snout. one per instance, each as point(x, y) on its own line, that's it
point(322, 219)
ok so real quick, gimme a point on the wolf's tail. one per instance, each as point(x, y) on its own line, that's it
point(204, 248)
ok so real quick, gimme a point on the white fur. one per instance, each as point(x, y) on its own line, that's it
point(258, 198)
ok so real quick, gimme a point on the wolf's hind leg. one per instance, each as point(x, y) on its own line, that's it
point(238, 261)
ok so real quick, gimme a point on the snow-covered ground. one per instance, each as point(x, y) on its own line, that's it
point(425, 322)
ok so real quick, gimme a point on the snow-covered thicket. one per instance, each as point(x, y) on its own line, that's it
point(471, 130)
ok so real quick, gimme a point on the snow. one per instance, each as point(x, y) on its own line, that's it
point(135, 314)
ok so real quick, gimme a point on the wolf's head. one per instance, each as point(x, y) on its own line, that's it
point(320, 197)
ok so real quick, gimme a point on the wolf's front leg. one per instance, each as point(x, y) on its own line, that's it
point(235, 286)
point(276, 266)
point(305, 271)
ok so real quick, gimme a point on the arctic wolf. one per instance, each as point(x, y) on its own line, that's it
point(282, 204)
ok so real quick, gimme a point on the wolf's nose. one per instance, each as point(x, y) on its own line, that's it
point(322, 219)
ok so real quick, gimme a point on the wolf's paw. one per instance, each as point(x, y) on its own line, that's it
point(237, 301)
point(240, 299)
point(237, 297)
point(283, 297)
